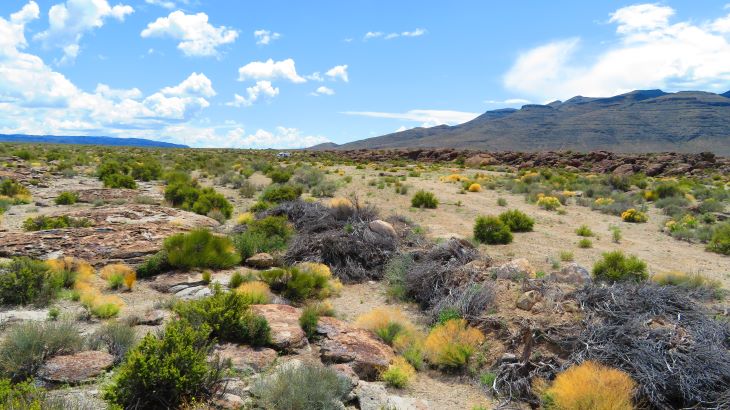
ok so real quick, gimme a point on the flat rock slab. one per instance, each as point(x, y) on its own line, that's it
point(247, 358)
point(108, 194)
point(361, 349)
point(76, 368)
point(286, 333)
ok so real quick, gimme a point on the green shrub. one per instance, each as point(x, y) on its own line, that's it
point(303, 387)
point(185, 193)
point(66, 198)
point(398, 373)
point(236, 280)
point(567, 256)
point(24, 281)
point(26, 346)
point(308, 320)
point(117, 337)
point(115, 280)
point(720, 241)
point(165, 372)
point(424, 199)
point(584, 231)
point(119, 181)
point(228, 316)
point(301, 282)
point(447, 314)
point(23, 396)
point(517, 221)
point(263, 235)
point(276, 193)
point(200, 249)
point(667, 189)
point(501, 202)
point(615, 266)
point(279, 175)
point(585, 243)
point(395, 276)
point(11, 188)
point(42, 223)
point(147, 169)
point(154, 265)
point(491, 230)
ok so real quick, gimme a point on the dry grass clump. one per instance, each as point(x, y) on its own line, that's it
point(244, 218)
point(117, 274)
point(98, 304)
point(589, 385)
point(451, 344)
point(341, 207)
point(474, 187)
point(453, 178)
point(693, 281)
point(389, 323)
point(398, 373)
point(255, 293)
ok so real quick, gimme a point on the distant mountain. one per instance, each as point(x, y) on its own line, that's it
point(85, 140)
point(324, 146)
point(639, 121)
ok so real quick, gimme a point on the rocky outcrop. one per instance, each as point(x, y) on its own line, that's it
point(374, 396)
point(260, 261)
point(359, 348)
point(516, 269)
point(246, 358)
point(383, 228)
point(286, 333)
point(110, 195)
point(573, 274)
point(76, 368)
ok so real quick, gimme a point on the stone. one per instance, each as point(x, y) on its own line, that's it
point(152, 317)
point(246, 358)
point(286, 333)
point(371, 396)
point(406, 403)
point(76, 368)
point(8, 317)
point(528, 299)
point(624, 170)
point(516, 269)
point(228, 401)
point(260, 261)
point(345, 372)
point(573, 274)
point(361, 349)
point(383, 228)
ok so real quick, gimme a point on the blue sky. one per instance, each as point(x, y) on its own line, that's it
point(291, 73)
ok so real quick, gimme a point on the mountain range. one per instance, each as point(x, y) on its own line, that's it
point(87, 140)
point(638, 121)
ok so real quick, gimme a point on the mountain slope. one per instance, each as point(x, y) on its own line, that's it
point(639, 121)
point(86, 140)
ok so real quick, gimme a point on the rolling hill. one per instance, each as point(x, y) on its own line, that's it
point(86, 140)
point(638, 121)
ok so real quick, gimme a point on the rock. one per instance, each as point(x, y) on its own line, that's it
point(344, 343)
point(528, 299)
point(508, 358)
point(374, 396)
point(655, 169)
point(382, 228)
point(623, 170)
point(21, 315)
point(228, 401)
point(286, 334)
point(406, 403)
point(573, 274)
point(346, 373)
point(76, 368)
point(153, 317)
point(260, 261)
point(246, 358)
point(516, 269)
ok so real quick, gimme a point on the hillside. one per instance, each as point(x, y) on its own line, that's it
point(639, 121)
point(86, 140)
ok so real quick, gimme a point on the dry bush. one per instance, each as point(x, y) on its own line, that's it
point(451, 344)
point(590, 385)
point(342, 208)
point(398, 373)
point(388, 323)
point(255, 293)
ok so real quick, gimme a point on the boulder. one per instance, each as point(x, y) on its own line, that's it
point(153, 317)
point(383, 228)
point(345, 343)
point(624, 170)
point(528, 299)
point(228, 401)
point(374, 396)
point(286, 334)
point(260, 261)
point(573, 274)
point(76, 368)
point(246, 358)
point(516, 269)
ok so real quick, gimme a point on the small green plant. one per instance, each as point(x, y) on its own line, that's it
point(115, 280)
point(615, 234)
point(154, 265)
point(567, 256)
point(424, 199)
point(720, 241)
point(448, 314)
point(301, 387)
point(491, 230)
point(487, 379)
point(517, 221)
point(206, 276)
point(584, 231)
point(200, 249)
point(398, 373)
point(501, 202)
point(308, 320)
point(24, 281)
point(236, 280)
point(53, 313)
point(280, 193)
point(66, 198)
point(42, 223)
point(585, 243)
point(105, 310)
point(615, 266)
point(304, 281)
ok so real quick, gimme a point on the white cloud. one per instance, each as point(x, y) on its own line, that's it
point(323, 91)
point(339, 71)
point(281, 137)
point(270, 70)
point(196, 84)
point(264, 37)
point(69, 21)
point(508, 101)
point(427, 118)
point(197, 37)
point(117, 94)
point(650, 52)
point(389, 36)
point(315, 76)
point(261, 88)
point(168, 4)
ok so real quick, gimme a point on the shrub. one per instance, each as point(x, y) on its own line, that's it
point(325, 188)
point(186, 193)
point(451, 344)
point(119, 181)
point(66, 198)
point(424, 199)
point(491, 230)
point(24, 395)
point(303, 281)
point(115, 281)
point(501, 202)
point(615, 234)
point(236, 280)
point(308, 320)
point(585, 243)
point(263, 235)
point(118, 274)
point(255, 293)
point(632, 215)
point(395, 276)
point(387, 323)
point(720, 241)
point(10, 188)
point(517, 221)
point(24, 281)
point(117, 337)
point(42, 223)
point(154, 265)
point(591, 385)
point(689, 281)
point(584, 231)
point(615, 266)
point(667, 190)
point(26, 346)
point(448, 314)
point(302, 387)
point(474, 187)
point(105, 309)
point(549, 203)
point(280, 193)
point(399, 373)
point(200, 249)
point(228, 316)
point(244, 218)
point(279, 175)
point(165, 372)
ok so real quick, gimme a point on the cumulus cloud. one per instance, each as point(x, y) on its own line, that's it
point(168, 4)
point(117, 94)
point(69, 21)
point(197, 36)
point(270, 70)
point(281, 137)
point(323, 91)
point(427, 118)
point(338, 72)
point(261, 88)
point(264, 37)
point(389, 36)
point(650, 52)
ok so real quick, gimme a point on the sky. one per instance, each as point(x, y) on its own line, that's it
point(290, 74)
